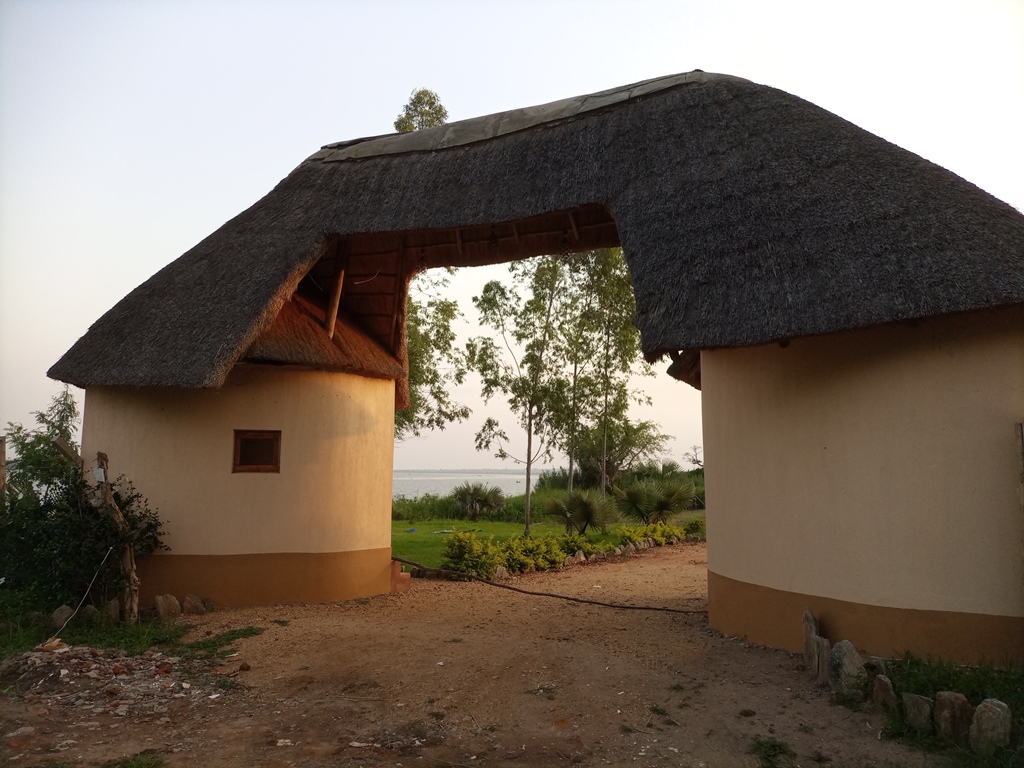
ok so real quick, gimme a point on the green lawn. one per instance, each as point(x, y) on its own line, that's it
point(419, 541)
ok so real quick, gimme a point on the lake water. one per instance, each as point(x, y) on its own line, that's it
point(417, 482)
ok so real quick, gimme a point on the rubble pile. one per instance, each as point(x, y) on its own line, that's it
point(101, 681)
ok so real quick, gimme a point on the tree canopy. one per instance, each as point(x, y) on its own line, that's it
point(562, 351)
point(436, 364)
point(423, 110)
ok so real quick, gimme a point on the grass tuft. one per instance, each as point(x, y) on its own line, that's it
point(910, 674)
point(772, 753)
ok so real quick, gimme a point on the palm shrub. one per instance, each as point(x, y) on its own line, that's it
point(653, 501)
point(475, 499)
point(580, 510)
point(674, 495)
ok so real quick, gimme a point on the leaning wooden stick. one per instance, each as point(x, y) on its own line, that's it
point(131, 577)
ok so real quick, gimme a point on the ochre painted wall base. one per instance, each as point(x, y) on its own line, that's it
point(268, 579)
point(774, 617)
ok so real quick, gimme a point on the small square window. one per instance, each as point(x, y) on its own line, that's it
point(257, 451)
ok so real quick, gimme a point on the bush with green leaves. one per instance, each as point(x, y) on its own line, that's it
point(571, 543)
point(53, 538)
point(580, 510)
point(557, 479)
point(465, 553)
point(696, 528)
point(475, 499)
point(526, 553)
point(662, 533)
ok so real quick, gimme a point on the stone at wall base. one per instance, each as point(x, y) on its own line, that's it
point(167, 608)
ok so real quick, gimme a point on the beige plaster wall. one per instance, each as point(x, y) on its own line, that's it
point(333, 493)
point(877, 466)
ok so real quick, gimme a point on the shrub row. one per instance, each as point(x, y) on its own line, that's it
point(465, 553)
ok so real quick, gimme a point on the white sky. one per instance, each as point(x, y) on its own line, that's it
point(131, 130)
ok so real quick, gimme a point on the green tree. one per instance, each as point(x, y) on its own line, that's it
point(527, 367)
point(602, 347)
point(38, 464)
point(53, 537)
point(423, 110)
point(435, 363)
point(695, 456)
point(615, 444)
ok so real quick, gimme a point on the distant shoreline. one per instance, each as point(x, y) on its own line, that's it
point(484, 471)
point(414, 483)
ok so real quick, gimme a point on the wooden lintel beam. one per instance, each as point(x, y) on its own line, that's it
point(355, 295)
point(339, 283)
point(518, 236)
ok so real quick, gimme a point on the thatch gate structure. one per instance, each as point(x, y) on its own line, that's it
point(853, 314)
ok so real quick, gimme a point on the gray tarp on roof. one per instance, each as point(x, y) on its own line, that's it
point(747, 215)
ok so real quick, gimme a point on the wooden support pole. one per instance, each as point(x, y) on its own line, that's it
point(575, 229)
point(399, 293)
point(68, 450)
point(458, 240)
point(515, 231)
point(332, 311)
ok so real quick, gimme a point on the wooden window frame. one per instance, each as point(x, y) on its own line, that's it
point(257, 434)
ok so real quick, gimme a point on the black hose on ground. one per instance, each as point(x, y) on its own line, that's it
point(474, 577)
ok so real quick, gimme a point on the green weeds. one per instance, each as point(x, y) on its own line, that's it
point(772, 753)
point(20, 634)
point(216, 646)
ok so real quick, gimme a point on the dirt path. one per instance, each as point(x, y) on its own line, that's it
point(462, 674)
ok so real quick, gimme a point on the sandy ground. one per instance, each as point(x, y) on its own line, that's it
point(463, 674)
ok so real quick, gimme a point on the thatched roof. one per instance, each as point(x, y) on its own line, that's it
point(747, 215)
